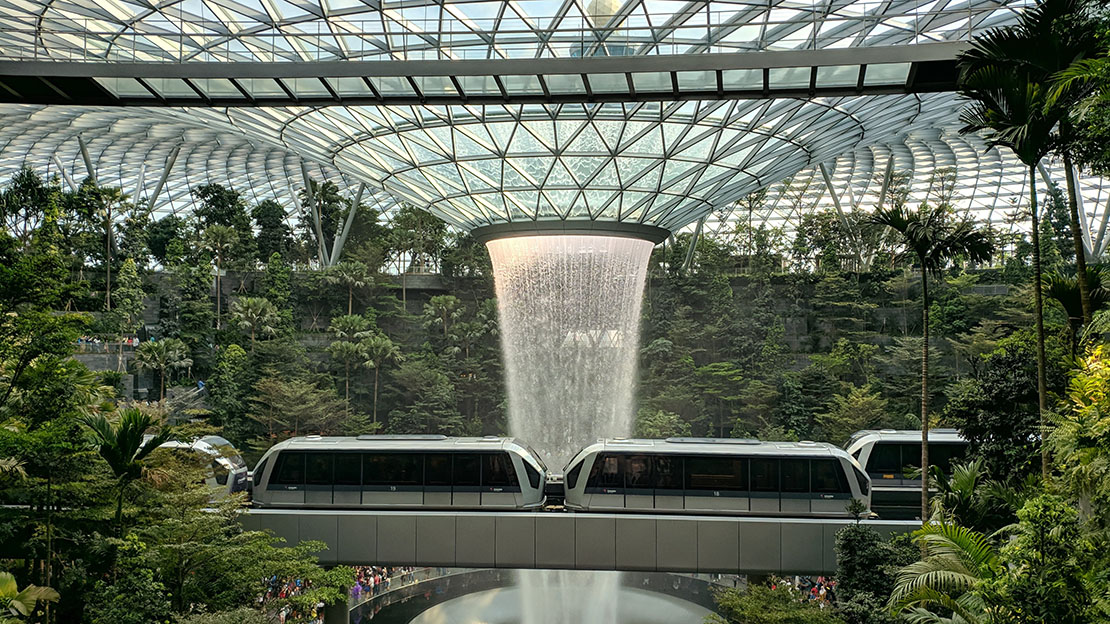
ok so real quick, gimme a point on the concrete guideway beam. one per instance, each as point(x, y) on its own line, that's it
point(624, 542)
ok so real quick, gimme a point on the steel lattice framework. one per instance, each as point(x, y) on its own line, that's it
point(664, 162)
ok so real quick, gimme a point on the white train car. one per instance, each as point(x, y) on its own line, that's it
point(225, 473)
point(715, 476)
point(406, 472)
point(887, 455)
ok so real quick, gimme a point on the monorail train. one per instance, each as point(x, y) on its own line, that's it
point(887, 455)
point(715, 476)
point(407, 471)
point(226, 472)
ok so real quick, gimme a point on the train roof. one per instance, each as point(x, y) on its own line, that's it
point(398, 443)
point(718, 446)
point(903, 435)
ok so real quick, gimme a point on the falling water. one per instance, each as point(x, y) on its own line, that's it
point(570, 326)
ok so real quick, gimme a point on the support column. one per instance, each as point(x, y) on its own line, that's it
point(310, 199)
point(62, 171)
point(689, 261)
point(85, 157)
point(341, 239)
point(162, 180)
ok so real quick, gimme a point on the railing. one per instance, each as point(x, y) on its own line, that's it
point(159, 39)
point(404, 580)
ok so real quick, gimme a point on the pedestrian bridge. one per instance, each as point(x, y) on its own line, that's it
point(624, 542)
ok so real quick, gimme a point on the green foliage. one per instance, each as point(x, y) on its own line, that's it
point(860, 408)
point(135, 597)
point(273, 234)
point(658, 424)
point(761, 604)
point(21, 602)
point(866, 567)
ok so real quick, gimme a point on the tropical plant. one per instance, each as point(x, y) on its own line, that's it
point(123, 447)
point(441, 310)
point(16, 603)
point(348, 354)
point(352, 275)
point(940, 589)
point(129, 303)
point(219, 239)
point(350, 327)
point(378, 350)
point(163, 356)
point(1067, 290)
point(256, 316)
point(934, 240)
point(1080, 436)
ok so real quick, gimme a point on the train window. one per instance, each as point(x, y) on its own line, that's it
point(667, 472)
point(795, 475)
point(533, 475)
point(497, 470)
point(289, 469)
point(318, 469)
point(393, 469)
point(605, 473)
point(348, 469)
point(944, 455)
point(572, 476)
point(716, 473)
point(862, 480)
point(885, 458)
point(765, 475)
point(437, 469)
point(467, 470)
point(827, 477)
point(260, 470)
point(637, 472)
point(911, 458)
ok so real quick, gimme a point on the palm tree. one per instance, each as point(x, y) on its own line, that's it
point(219, 239)
point(956, 559)
point(122, 447)
point(256, 316)
point(1068, 292)
point(347, 353)
point(378, 350)
point(163, 356)
point(441, 310)
point(350, 327)
point(15, 602)
point(931, 238)
point(352, 274)
point(1013, 110)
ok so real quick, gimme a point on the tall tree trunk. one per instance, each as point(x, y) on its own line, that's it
point(49, 539)
point(404, 291)
point(162, 380)
point(1076, 231)
point(219, 288)
point(924, 393)
point(1039, 316)
point(350, 299)
point(376, 369)
point(347, 387)
point(119, 512)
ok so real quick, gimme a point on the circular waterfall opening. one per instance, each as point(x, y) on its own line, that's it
point(504, 606)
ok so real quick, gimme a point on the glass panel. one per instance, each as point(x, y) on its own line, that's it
point(861, 479)
point(765, 475)
point(637, 472)
point(306, 87)
point(262, 87)
point(318, 468)
point(124, 87)
point(435, 85)
point(348, 469)
point(716, 473)
point(564, 83)
point(350, 87)
point(944, 455)
point(828, 477)
point(533, 475)
point(393, 469)
point(605, 472)
point(652, 82)
point(884, 458)
point(289, 469)
point(497, 469)
point(437, 469)
point(887, 74)
point(795, 475)
point(467, 470)
point(608, 83)
point(171, 87)
point(838, 76)
point(667, 472)
point(789, 77)
point(220, 472)
point(478, 85)
point(911, 458)
point(572, 476)
point(217, 87)
point(742, 79)
point(522, 85)
point(392, 85)
point(697, 80)
point(260, 470)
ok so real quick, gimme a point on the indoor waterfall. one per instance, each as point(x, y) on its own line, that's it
point(570, 319)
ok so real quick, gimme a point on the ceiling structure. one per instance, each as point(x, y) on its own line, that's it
point(632, 141)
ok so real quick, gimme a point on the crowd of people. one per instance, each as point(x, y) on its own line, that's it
point(373, 580)
point(285, 588)
point(93, 344)
point(819, 589)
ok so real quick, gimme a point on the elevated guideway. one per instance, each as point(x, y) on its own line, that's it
point(624, 542)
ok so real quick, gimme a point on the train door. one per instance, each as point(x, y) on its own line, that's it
point(794, 474)
point(466, 480)
point(286, 485)
point(639, 492)
point(764, 485)
point(437, 480)
point(605, 485)
point(500, 486)
point(318, 478)
point(393, 479)
point(717, 483)
point(348, 479)
point(829, 487)
point(666, 471)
